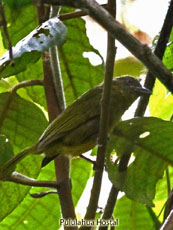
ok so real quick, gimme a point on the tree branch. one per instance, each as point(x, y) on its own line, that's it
point(103, 126)
point(24, 180)
point(42, 194)
point(142, 52)
point(75, 14)
point(55, 106)
point(4, 23)
point(167, 225)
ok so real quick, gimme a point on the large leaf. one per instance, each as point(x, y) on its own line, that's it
point(29, 49)
point(36, 213)
point(36, 93)
point(18, 28)
point(6, 149)
point(132, 215)
point(78, 73)
point(17, 4)
point(24, 122)
point(128, 66)
point(151, 141)
point(40, 209)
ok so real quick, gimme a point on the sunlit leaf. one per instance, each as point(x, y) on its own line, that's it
point(128, 66)
point(6, 150)
point(23, 124)
point(77, 71)
point(28, 50)
point(132, 215)
point(161, 102)
point(151, 141)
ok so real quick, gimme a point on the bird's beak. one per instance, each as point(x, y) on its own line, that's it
point(142, 90)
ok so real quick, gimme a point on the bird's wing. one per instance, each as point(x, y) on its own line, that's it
point(82, 110)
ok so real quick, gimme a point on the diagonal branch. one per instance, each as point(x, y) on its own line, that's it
point(76, 14)
point(159, 51)
point(142, 52)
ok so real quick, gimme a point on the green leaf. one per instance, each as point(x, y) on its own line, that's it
point(6, 150)
point(29, 49)
point(132, 215)
point(18, 28)
point(36, 213)
point(168, 56)
point(24, 123)
point(36, 93)
point(80, 173)
point(128, 66)
point(78, 73)
point(161, 103)
point(162, 193)
point(151, 141)
point(17, 4)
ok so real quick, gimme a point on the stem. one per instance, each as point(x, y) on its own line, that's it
point(114, 192)
point(167, 225)
point(108, 211)
point(154, 218)
point(103, 126)
point(76, 14)
point(4, 23)
point(52, 75)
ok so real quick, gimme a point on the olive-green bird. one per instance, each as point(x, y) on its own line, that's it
point(75, 130)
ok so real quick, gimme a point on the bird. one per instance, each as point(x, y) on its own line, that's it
point(75, 130)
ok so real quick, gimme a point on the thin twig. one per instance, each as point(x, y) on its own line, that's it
point(25, 180)
point(42, 194)
point(11, 96)
point(154, 218)
point(89, 160)
point(76, 14)
point(4, 23)
point(114, 192)
point(103, 128)
point(141, 51)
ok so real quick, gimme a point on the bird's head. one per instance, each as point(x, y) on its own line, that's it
point(129, 86)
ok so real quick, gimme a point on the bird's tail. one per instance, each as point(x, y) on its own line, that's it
point(10, 165)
